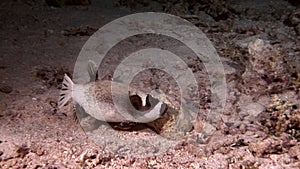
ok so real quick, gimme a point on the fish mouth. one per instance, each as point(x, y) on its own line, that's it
point(151, 102)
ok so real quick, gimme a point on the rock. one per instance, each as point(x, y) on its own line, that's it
point(243, 43)
point(207, 132)
point(253, 109)
point(5, 88)
point(265, 65)
point(295, 151)
point(270, 145)
point(294, 18)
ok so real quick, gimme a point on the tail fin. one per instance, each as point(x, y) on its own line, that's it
point(93, 71)
point(66, 91)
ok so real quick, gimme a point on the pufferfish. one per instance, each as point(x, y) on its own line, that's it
point(96, 100)
point(154, 109)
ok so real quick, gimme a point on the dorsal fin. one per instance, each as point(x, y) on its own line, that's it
point(93, 71)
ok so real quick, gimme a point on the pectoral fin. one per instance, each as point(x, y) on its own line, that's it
point(93, 71)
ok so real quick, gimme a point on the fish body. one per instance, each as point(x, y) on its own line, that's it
point(96, 98)
point(133, 105)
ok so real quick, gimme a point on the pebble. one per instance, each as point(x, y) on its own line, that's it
point(253, 109)
point(295, 151)
point(5, 88)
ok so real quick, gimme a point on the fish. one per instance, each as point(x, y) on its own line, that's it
point(95, 98)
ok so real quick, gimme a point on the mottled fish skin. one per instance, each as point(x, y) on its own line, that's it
point(96, 100)
point(93, 74)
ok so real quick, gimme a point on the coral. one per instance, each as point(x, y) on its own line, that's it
point(265, 72)
point(281, 116)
